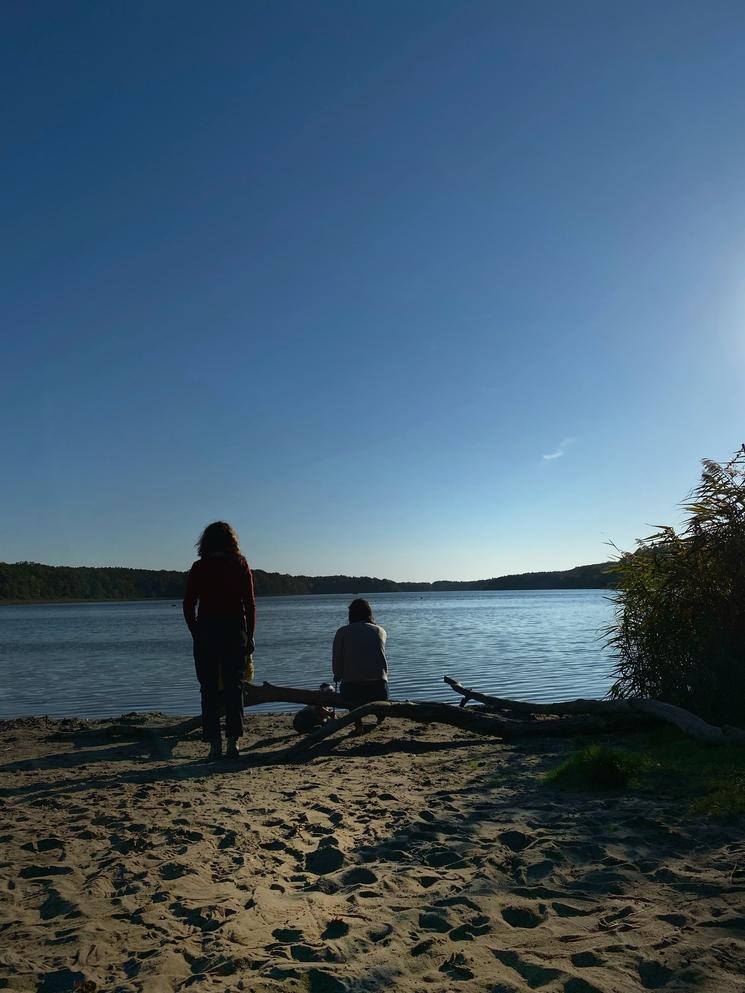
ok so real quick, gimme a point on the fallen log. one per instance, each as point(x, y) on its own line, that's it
point(684, 720)
point(492, 725)
point(567, 719)
point(689, 723)
point(268, 693)
point(466, 720)
point(137, 732)
point(527, 707)
point(253, 694)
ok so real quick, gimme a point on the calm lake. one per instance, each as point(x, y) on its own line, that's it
point(104, 659)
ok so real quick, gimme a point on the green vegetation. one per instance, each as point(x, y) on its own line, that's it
point(596, 767)
point(705, 779)
point(33, 581)
point(601, 575)
point(679, 634)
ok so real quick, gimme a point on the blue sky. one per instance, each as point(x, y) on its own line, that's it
point(347, 274)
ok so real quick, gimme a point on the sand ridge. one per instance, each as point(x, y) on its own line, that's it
point(408, 859)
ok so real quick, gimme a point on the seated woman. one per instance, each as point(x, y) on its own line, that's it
point(359, 660)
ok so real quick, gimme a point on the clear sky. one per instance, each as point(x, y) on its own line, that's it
point(414, 289)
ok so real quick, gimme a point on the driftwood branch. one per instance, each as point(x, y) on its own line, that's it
point(528, 707)
point(252, 695)
point(268, 693)
point(467, 720)
point(688, 723)
point(505, 719)
point(685, 721)
point(145, 732)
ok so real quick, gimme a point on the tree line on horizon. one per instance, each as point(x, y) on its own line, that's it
point(33, 581)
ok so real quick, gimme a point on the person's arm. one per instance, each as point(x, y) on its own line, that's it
point(383, 639)
point(190, 602)
point(337, 657)
point(249, 602)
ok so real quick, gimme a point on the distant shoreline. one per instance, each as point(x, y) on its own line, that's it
point(51, 601)
point(33, 582)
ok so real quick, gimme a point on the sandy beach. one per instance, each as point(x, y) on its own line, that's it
point(411, 858)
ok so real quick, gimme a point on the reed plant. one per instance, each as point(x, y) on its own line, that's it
point(679, 628)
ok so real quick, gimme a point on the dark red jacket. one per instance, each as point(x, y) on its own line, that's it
point(223, 587)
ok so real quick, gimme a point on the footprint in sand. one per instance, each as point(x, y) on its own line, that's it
point(87, 835)
point(654, 975)
point(457, 901)
point(324, 885)
point(358, 876)
point(471, 929)
point(457, 967)
point(524, 917)
point(567, 910)
point(42, 845)
point(287, 935)
point(174, 870)
point(277, 845)
point(677, 920)
point(335, 929)
point(188, 836)
point(323, 982)
point(730, 923)
point(39, 871)
point(378, 934)
point(61, 979)
point(228, 840)
point(577, 985)
point(516, 841)
point(423, 947)
point(439, 857)
point(305, 953)
point(319, 829)
point(586, 960)
point(326, 858)
point(539, 870)
point(429, 921)
point(55, 905)
point(534, 975)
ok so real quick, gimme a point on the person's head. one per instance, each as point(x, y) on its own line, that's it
point(218, 539)
point(360, 610)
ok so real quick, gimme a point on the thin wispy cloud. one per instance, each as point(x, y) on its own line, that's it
point(561, 449)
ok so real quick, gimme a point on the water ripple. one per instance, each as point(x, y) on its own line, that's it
point(104, 659)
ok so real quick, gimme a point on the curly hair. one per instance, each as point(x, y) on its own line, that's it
point(218, 539)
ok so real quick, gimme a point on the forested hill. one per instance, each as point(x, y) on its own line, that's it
point(33, 581)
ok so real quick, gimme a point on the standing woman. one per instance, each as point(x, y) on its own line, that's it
point(358, 659)
point(222, 627)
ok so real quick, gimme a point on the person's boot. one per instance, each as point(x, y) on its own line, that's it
point(215, 752)
point(231, 752)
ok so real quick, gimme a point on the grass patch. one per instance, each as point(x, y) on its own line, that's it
point(596, 767)
point(706, 779)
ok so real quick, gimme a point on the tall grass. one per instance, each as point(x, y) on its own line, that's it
point(679, 629)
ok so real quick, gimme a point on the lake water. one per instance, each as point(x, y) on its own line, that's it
point(104, 659)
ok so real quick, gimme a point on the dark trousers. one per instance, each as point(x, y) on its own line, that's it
point(220, 649)
point(356, 694)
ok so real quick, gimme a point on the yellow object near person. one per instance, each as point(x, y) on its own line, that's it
point(248, 672)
